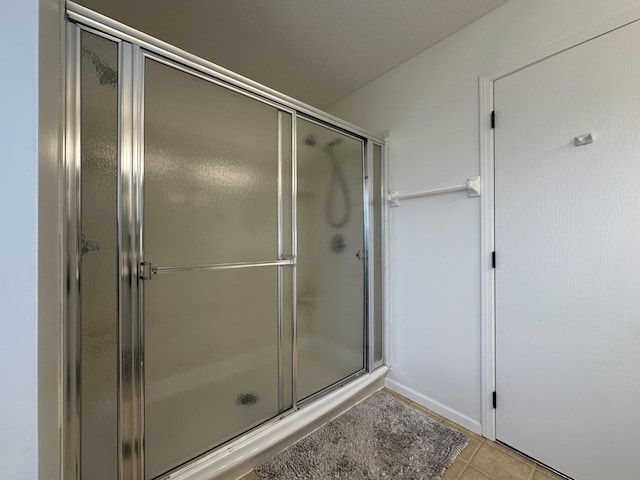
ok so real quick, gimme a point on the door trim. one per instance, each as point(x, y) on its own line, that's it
point(487, 201)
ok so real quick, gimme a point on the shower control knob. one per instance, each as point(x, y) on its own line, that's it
point(338, 243)
point(361, 254)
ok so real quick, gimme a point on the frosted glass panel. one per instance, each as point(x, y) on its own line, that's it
point(211, 171)
point(99, 274)
point(376, 260)
point(217, 187)
point(330, 277)
point(211, 360)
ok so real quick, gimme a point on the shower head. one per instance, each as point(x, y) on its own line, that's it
point(334, 143)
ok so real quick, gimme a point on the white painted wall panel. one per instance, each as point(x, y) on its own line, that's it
point(430, 106)
point(18, 241)
point(414, 276)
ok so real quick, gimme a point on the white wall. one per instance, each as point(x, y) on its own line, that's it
point(18, 242)
point(430, 106)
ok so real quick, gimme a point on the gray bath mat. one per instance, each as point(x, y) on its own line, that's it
point(380, 438)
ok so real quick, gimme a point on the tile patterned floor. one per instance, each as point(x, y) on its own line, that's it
point(482, 459)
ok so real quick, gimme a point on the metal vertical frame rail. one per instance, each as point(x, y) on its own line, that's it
point(369, 327)
point(130, 331)
point(294, 254)
point(379, 250)
point(383, 252)
point(386, 255)
point(138, 242)
point(72, 337)
point(280, 256)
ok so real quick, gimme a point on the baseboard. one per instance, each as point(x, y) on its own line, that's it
point(435, 406)
point(242, 455)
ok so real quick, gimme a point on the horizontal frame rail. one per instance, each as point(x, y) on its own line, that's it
point(78, 13)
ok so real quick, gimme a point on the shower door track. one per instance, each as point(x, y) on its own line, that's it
point(83, 15)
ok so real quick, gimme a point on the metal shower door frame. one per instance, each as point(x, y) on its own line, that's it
point(130, 416)
point(139, 260)
point(71, 395)
point(130, 387)
point(133, 48)
point(72, 340)
point(368, 363)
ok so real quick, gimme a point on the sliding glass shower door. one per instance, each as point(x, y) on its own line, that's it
point(217, 269)
point(217, 249)
point(331, 257)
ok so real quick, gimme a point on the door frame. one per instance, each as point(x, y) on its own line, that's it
point(487, 201)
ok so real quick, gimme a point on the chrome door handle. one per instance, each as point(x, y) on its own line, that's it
point(147, 270)
point(361, 254)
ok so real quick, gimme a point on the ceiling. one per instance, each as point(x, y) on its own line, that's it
point(317, 51)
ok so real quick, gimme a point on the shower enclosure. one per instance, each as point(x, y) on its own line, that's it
point(224, 254)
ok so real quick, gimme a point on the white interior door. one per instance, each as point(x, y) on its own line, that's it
point(568, 259)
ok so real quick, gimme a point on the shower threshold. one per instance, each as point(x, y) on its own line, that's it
point(240, 456)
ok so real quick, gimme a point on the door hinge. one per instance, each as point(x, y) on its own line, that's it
point(495, 399)
point(493, 259)
point(493, 119)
